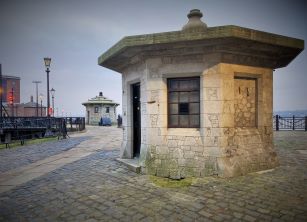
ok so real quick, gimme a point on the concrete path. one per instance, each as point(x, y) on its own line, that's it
point(86, 183)
point(18, 176)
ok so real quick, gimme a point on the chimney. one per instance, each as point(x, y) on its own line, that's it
point(100, 94)
point(31, 99)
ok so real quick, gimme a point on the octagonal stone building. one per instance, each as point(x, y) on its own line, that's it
point(199, 101)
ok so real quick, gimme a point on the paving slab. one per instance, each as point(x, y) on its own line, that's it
point(96, 187)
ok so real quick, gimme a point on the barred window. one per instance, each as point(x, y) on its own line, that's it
point(107, 109)
point(183, 102)
point(96, 109)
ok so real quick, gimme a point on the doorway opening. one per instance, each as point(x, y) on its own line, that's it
point(88, 117)
point(136, 110)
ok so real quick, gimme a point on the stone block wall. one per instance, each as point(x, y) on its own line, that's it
point(95, 117)
point(221, 146)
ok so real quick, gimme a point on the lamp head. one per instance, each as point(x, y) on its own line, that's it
point(47, 62)
point(52, 91)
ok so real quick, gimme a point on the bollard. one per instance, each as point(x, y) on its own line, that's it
point(277, 122)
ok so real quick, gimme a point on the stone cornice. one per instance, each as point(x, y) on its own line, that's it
point(117, 56)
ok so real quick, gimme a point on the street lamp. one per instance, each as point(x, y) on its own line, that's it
point(52, 94)
point(41, 96)
point(47, 65)
point(36, 82)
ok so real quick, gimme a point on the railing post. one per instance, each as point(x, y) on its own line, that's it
point(277, 122)
point(305, 123)
point(70, 119)
point(293, 122)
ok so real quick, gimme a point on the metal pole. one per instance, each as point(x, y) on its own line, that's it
point(53, 105)
point(12, 102)
point(36, 82)
point(305, 123)
point(48, 99)
point(41, 107)
point(293, 122)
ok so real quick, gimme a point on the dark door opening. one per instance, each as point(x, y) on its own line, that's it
point(88, 117)
point(136, 106)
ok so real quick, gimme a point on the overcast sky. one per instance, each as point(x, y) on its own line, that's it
point(75, 33)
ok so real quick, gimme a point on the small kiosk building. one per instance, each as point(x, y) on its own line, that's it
point(100, 107)
point(199, 101)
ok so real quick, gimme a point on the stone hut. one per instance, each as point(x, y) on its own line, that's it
point(198, 102)
point(99, 107)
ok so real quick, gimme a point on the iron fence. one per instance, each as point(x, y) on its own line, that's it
point(73, 123)
point(20, 128)
point(289, 123)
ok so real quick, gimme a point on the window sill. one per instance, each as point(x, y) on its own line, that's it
point(183, 131)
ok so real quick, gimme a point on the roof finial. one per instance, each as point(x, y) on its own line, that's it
point(195, 24)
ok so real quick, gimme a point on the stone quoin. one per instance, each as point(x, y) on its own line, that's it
point(199, 101)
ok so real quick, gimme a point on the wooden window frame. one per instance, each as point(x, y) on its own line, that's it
point(169, 90)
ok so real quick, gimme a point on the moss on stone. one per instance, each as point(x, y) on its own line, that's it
point(170, 183)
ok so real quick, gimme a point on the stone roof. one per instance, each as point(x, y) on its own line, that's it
point(100, 100)
point(231, 43)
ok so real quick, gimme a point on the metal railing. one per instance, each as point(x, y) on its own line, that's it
point(289, 123)
point(73, 123)
point(21, 128)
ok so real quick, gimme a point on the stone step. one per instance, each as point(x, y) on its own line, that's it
point(132, 164)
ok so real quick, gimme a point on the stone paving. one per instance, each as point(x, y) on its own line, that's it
point(13, 158)
point(98, 188)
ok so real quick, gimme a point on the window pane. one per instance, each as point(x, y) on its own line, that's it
point(184, 120)
point(194, 84)
point(194, 96)
point(183, 102)
point(173, 97)
point(194, 120)
point(183, 108)
point(173, 108)
point(173, 84)
point(184, 97)
point(173, 120)
point(184, 84)
point(194, 108)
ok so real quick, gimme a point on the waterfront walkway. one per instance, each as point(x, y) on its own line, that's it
point(79, 179)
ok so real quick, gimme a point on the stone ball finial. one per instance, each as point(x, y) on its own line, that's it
point(195, 24)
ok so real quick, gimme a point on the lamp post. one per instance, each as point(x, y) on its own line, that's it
point(41, 96)
point(52, 94)
point(36, 82)
point(12, 101)
point(47, 65)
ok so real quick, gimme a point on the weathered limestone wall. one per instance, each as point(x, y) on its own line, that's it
point(171, 152)
point(242, 149)
point(220, 146)
point(134, 74)
point(95, 117)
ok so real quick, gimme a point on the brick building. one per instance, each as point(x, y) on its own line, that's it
point(9, 83)
point(25, 109)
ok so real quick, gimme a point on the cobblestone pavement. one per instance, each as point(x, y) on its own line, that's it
point(98, 188)
point(21, 156)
